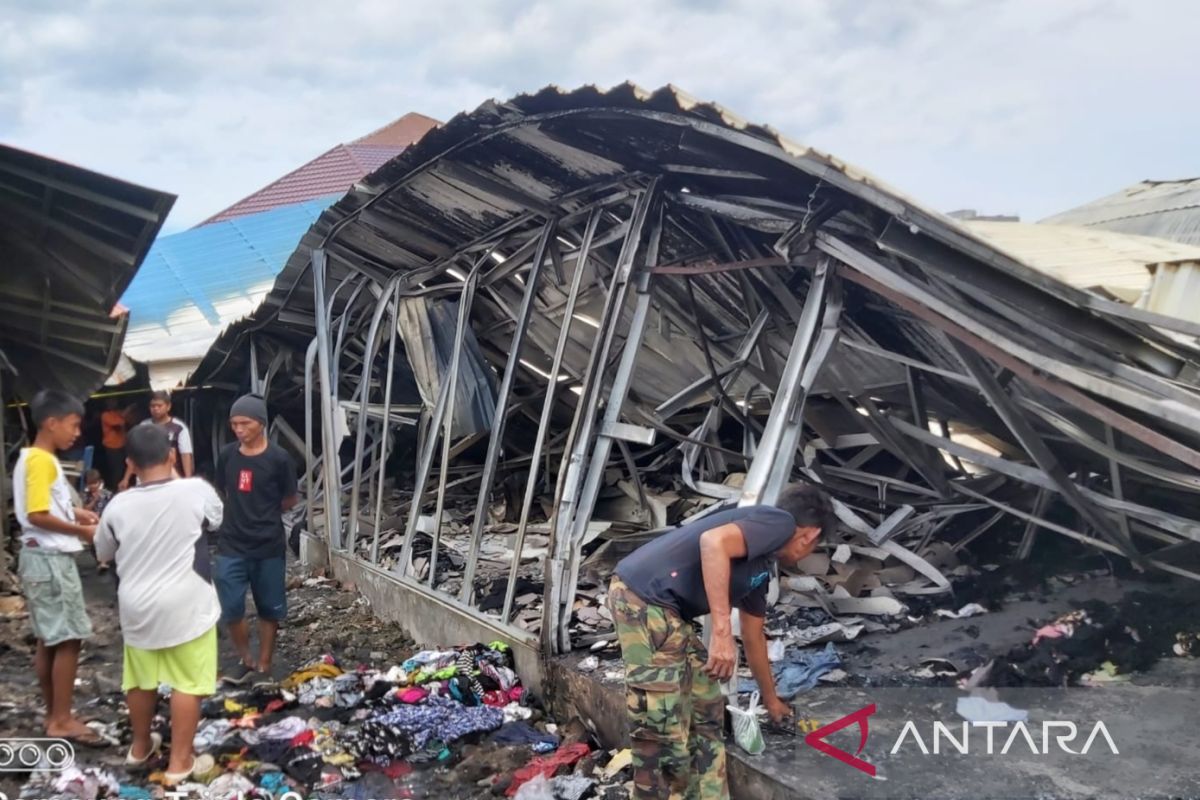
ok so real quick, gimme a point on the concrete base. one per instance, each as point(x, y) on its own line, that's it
point(433, 619)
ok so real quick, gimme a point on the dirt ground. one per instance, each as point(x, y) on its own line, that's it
point(322, 618)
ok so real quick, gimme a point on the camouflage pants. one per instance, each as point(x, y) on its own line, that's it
point(676, 712)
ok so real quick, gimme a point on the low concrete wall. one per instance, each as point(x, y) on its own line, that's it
point(435, 620)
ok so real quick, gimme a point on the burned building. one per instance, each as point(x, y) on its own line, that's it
point(564, 321)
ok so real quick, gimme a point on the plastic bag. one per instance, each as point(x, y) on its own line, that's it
point(746, 730)
point(539, 788)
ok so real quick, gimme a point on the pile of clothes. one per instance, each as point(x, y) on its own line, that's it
point(1098, 642)
point(330, 731)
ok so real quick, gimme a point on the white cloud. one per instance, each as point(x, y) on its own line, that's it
point(1023, 105)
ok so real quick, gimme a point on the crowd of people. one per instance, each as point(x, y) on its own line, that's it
point(173, 595)
point(155, 529)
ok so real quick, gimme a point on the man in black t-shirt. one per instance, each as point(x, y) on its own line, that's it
point(710, 566)
point(258, 482)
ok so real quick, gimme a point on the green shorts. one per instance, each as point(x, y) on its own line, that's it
point(53, 595)
point(190, 667)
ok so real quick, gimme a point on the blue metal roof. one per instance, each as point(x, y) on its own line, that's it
point(202, 266)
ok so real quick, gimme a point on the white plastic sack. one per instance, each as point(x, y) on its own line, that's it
point(746, 730)
point(537, 789)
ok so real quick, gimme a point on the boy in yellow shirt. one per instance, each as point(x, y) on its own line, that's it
point(52, 532)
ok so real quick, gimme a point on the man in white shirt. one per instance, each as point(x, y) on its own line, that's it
point(177, 433)
point(168, 606)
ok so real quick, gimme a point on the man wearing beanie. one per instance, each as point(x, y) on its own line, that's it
point(258, 481)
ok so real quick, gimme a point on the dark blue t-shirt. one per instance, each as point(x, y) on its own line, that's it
point(667, 572)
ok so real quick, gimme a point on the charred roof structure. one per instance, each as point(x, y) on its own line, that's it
point(633, 299)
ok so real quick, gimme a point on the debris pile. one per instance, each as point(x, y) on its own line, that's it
point(623, 307)
point(446, 723)
point(1095, 644)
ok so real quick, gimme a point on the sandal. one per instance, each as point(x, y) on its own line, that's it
point(201, 765)
point(155, 749)
point(92, 739)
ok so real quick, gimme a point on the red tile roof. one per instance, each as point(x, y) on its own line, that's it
point(335, 170)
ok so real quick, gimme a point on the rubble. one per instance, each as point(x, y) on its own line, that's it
point(631, 308)
point(334, 726)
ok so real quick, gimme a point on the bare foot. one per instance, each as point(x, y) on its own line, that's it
point(76, 731)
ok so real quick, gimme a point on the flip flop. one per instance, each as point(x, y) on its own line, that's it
point(95, 741)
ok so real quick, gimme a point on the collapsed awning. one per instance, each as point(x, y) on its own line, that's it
point(71, 240)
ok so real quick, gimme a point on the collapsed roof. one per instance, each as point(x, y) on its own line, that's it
point(640, 285)
point(71, 241)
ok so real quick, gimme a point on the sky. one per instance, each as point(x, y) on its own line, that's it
point(1006, 106)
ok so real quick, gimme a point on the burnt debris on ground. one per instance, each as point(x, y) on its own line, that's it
point(353, 710)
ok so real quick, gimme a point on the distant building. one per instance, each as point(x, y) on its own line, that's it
point(971, 214)
point(1166, 209)
point(196, 282)
point(335, 170)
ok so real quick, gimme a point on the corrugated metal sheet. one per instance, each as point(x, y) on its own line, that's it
point(194, 283)
point(1166, 209)
point(70, 242)
point(489, 167)
point(1086, 257)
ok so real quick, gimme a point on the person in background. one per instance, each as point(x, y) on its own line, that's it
point(168, 606)
point(95, 498)
point(177, 433)
point(52, 532)
point(709, 566)
point(113, 425)
point(258, 481)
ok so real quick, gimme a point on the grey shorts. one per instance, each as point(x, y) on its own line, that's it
point(53, 595)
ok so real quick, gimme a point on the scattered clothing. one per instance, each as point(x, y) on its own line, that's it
point(439, 718)
point(798, 671)
point(412, 695)
point(547, 766)
point(571, 787)
point(287, 728)
point(513, 734)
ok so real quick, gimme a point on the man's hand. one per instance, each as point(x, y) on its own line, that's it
point(722, 655)
point(86, 516)
point(778, 710)
point(88, 533)
point(123, 485)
